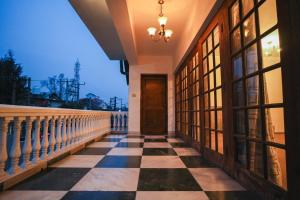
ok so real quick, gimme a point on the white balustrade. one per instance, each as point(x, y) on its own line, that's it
point(43, 134)
point(119, 121)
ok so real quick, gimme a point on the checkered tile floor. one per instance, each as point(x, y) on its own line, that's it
point(132, 167)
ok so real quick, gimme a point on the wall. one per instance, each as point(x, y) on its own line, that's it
point(149, 65)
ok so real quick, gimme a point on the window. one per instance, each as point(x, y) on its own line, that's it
point(257, 89)
point(212, 94)
point(188, 99)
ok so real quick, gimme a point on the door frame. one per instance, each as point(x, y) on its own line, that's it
point(165, 77)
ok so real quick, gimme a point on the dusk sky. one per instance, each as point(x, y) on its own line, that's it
point(47, 37)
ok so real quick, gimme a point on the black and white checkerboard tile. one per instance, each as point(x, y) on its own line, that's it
point(131, 167)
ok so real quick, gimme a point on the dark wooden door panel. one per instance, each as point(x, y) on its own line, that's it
point(154, 104)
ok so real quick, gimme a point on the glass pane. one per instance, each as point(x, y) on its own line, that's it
point(275, 125)
point(241, 151)
point(235, 14)
point(239, 122)
point(218, 77)
point(251, 59)
point(220, 120)
point(237, 67)
point(254, 123)
point(204, 49)
point(213, 140)
point(210, 61)
point(217, 56)
point(216, 36)
point(270, 49)
point(212, 100)
point(267, 15)
point(238, 94)
point(206, 101)
point(277, 166)
point(207, 138)
point(256, 158)
point(236, 40)
point(211, 80)
point(273, 86)
point(252, 86)
point(212, 120)
point(205, 66)
point(206, 122)
point(219, 98)
point(205, 83)
point(247, 6)
point(209, 42)
point(220, 142)
point(249, 29)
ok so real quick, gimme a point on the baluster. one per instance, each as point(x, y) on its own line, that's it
point(84, 127)
point(52, 135)
point(58, 134)
point(69, 131)
point(3, 145)
point(15, 150)
point(117, 122)
point(64, 132)
point(73, 130)
point(45, 142)
point(36, 141)
point(27, 148)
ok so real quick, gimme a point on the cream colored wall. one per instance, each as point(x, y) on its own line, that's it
point(149, 65)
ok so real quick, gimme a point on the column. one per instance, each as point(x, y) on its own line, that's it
point(45, 142)
point(27, 148)
point(3, 145)
point(15, 150)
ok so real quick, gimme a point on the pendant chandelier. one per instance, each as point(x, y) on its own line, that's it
point(163, 32)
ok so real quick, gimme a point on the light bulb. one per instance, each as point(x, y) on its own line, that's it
point(151, 31)
point(162, 20)
point(168, 33)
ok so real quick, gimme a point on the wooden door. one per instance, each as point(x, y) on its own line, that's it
point(154, 104)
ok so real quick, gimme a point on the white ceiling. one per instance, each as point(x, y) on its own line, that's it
point(145, 13)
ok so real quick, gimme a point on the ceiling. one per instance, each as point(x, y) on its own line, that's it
point(145, 13)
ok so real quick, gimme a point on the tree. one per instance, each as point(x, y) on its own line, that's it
point(13, 86)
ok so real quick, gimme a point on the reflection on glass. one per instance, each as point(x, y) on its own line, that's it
point(211, 80)
point(236, 40)
point(277, 166)
point(275, 125)
point(210, 61)
point(235, 14)
point(205, 66)
point(267, 15)
point(254, 123)
point(207, 138)
point(205, 80)
point(212, 100)
point(252, 86)
point(220, 120)
point(206, 121)
point(209, 43)
point(213, 140)
point(241, 151)
point(270, 49)
point(219, 98)
point(238, 94)
point(239, 122)
point(220, 142)
point(212, 119)
point(247, 6)
point(249, 29)
point(273, 86)
point(216, 36)
point(218, 77)
point(217, 56)
point(206, 101)
point(204, 49)
point(256, 158)
point(251, 59)
point(237, 67)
